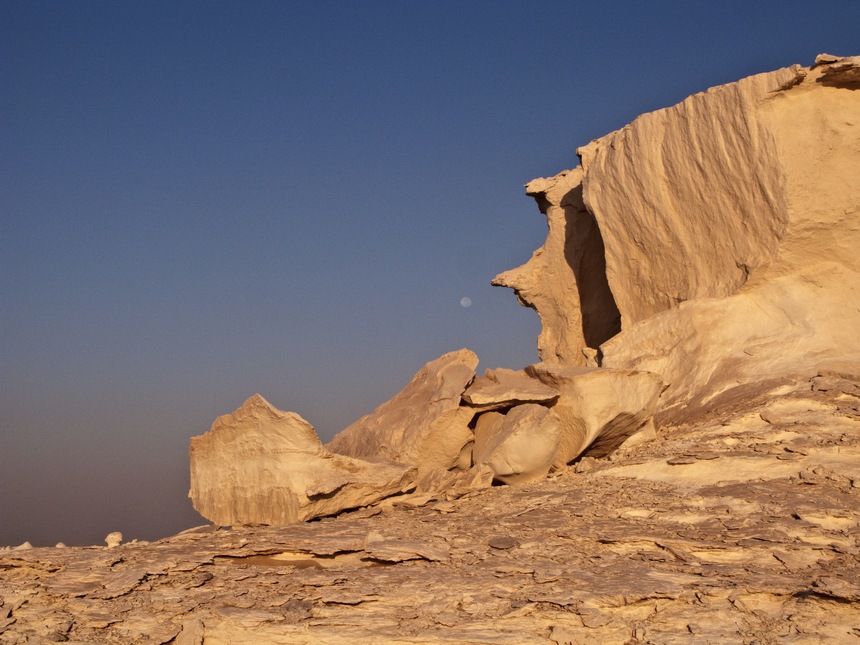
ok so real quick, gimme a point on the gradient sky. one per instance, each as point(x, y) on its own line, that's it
point(200, 201)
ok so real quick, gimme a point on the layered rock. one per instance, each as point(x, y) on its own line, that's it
point(424, 425)
point(504, 388)
point(724, 238)
point(260, 465)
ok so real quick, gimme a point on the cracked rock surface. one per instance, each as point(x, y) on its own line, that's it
point(740, 526)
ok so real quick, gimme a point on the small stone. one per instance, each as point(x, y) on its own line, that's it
point(503, 542)
point(113, 539)
point(681, 461)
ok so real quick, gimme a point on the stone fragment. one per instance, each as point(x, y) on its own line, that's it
point(520, 446)
point(192, 632)
point(456, 482)
point(113, 539)
point(260, 465)
point(378, 548)
point(598, 408)
point(826, 59)
point(502, 388)
point(423, 425)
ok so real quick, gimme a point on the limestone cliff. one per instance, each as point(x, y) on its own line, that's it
point(718, 236)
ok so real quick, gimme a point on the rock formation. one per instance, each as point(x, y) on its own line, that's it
point(424, 425)
point(504, 388)
point(520, 446)
point(260, 465)
point(700, 275)
point(598, 408)
point(703, 247)
point(719, 236)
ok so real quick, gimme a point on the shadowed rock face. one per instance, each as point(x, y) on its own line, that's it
point(565, 280)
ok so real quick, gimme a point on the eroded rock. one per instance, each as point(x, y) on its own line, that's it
point(520, 446)
point(718, 236)
point(503, 388)
point(260, 465)
point(599, 408)
point(424, 425)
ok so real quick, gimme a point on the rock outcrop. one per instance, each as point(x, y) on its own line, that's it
point(424, 425)
point(504, 388)
point(704, 249)
point(260, 465)
point(599, 408)
point(520, 446)
point(713, 242)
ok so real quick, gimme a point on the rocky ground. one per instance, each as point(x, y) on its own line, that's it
point(739, 526)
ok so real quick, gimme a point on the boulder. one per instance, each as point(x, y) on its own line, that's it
point(423, 425)
point(520, 446)
point(260, 465)
point(599, 408)
point(503, 388)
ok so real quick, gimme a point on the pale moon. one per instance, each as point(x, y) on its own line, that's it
point(465, 302)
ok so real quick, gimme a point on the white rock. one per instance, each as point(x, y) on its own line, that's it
point(599, 408)
point(729, 226)
point(260, 465)
point(565, 280)
point(520, 446)
point(423, 425)
point(501, 388)
point(113, 539)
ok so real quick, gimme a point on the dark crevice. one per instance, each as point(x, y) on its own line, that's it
point(586, 255)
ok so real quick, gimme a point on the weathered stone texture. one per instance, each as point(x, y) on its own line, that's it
point(424, 425)
point(260, 465)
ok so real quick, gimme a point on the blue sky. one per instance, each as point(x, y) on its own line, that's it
point(200, 201)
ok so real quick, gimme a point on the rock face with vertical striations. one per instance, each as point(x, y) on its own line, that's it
point(260, 465)
point(713, 242)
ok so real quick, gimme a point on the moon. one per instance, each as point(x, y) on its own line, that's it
point(465, 302)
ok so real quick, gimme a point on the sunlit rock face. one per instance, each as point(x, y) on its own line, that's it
point(424, 425)
point(260, 465)
point(713, 242)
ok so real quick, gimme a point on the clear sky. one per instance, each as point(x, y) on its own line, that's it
point(200, 201)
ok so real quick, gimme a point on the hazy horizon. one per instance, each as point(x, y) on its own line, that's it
point(203, 201)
